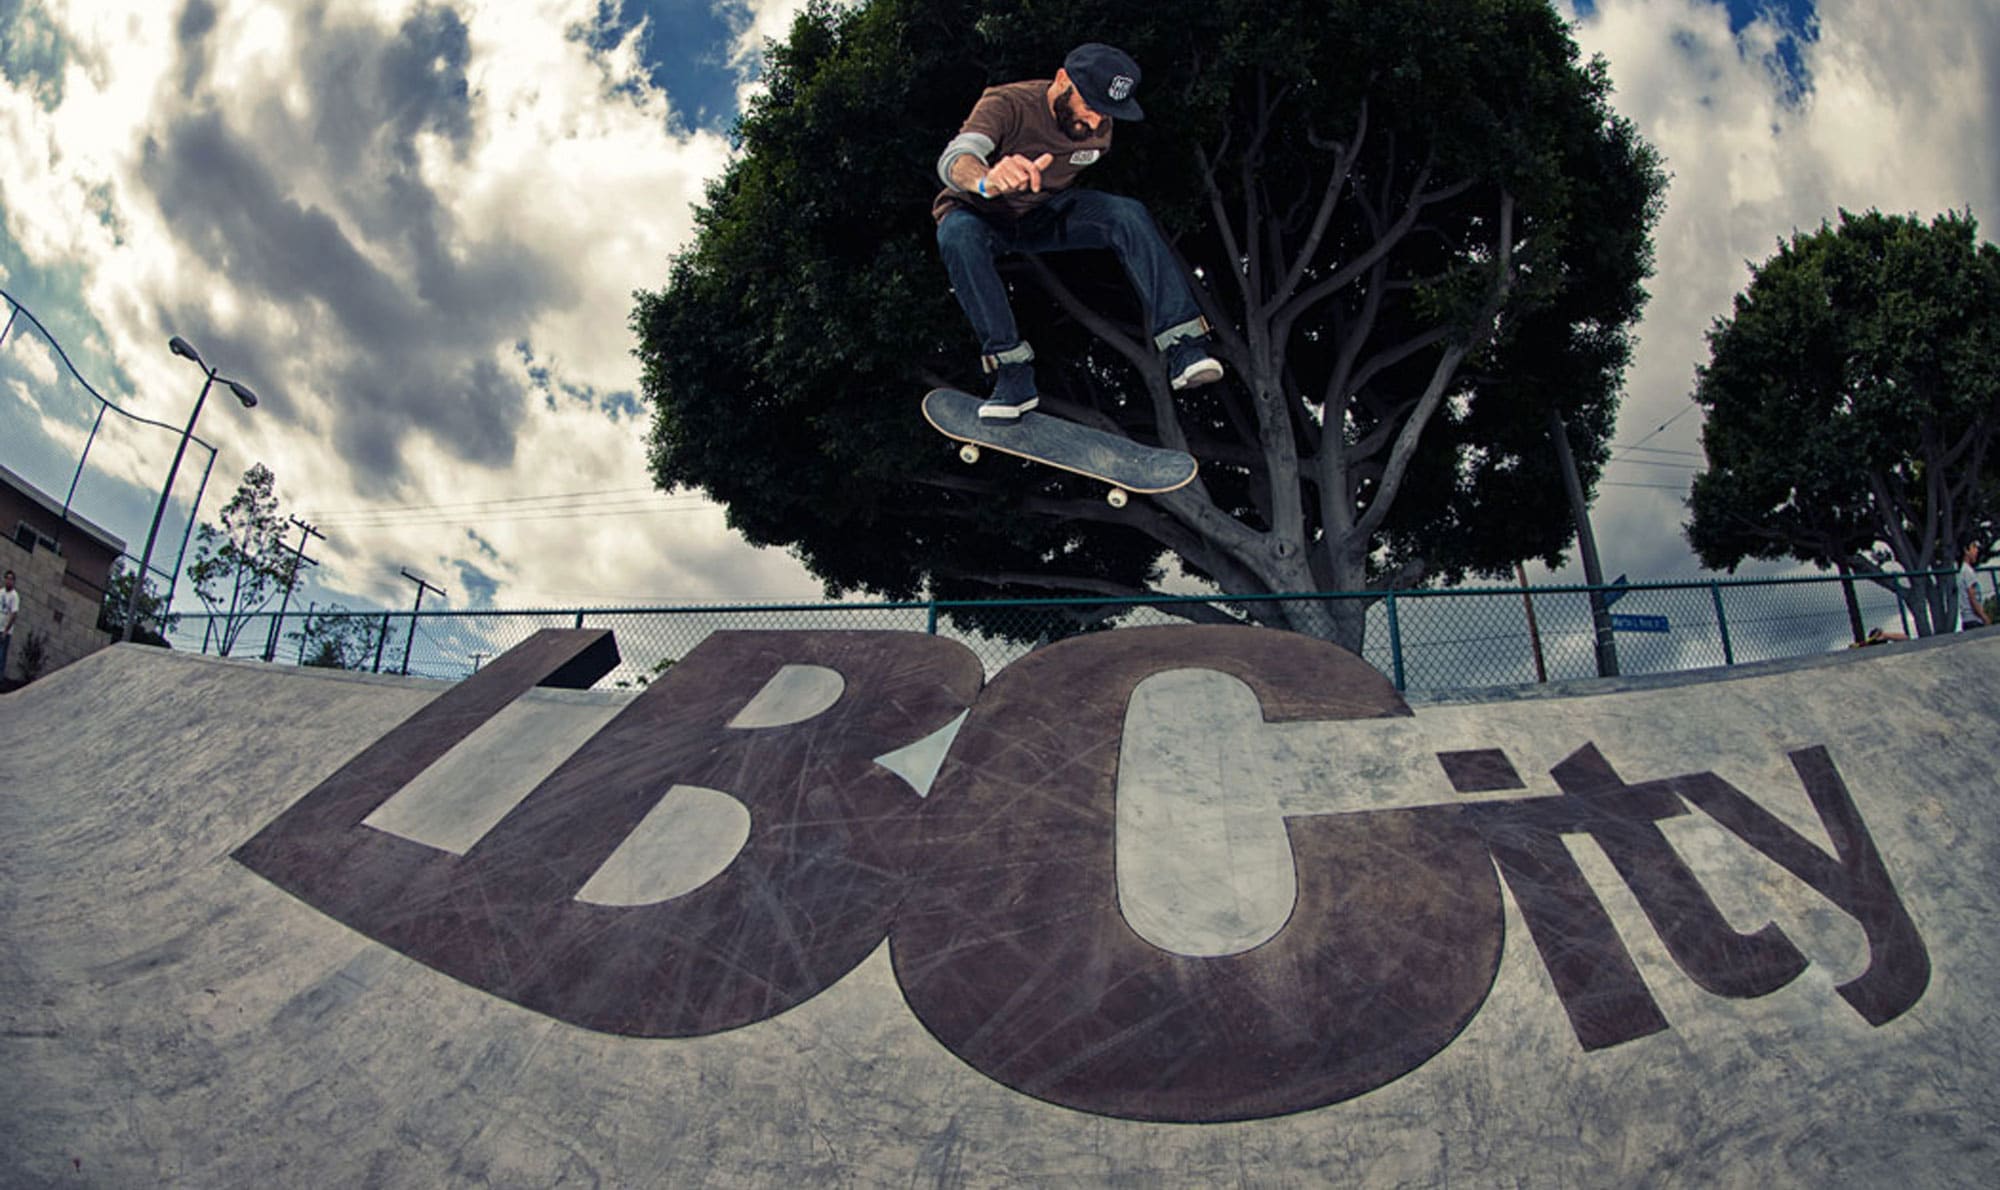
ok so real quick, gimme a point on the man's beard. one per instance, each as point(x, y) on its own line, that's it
point(1066, 117)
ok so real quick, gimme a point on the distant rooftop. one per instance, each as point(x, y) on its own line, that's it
point(54, 508)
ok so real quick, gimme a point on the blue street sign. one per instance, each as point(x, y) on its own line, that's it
point(1640, 624)
point(1611, 597)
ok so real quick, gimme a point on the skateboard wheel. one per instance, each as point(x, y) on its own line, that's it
point(1116, 497)
point(969, 453)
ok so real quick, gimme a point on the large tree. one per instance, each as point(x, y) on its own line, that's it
point(241, 563)
point(1417, 225)
point(1853, 399)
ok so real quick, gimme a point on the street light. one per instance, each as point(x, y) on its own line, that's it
point(185, 350)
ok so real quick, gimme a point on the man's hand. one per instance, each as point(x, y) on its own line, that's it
point(1014, 173)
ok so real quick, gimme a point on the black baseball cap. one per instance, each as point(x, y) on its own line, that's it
point(1105, 76)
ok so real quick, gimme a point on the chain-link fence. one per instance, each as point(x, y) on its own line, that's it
point(1423, 640)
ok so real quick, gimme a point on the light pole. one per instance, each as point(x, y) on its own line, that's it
point(185, 350)
point(1586, 544)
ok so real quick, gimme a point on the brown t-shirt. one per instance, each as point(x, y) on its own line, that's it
point(1017, 119)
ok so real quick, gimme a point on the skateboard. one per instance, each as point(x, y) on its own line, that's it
point(1124, 464)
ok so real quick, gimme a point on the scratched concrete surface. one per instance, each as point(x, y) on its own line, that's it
point(169, 1017)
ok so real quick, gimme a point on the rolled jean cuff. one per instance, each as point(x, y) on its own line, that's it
point(1019, 353)
point(1193, 328)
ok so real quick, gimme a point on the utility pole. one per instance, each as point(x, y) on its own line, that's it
point(423, 585)
point(1534, 630)
point(185, 350)
point(1586, 544)
point(306, 533)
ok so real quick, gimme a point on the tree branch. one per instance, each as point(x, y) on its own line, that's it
point(1382, 434)
point(1197, 613)
point(1381, 361)
point(1097, 324)
point(1441, 377)
point(1354, 337)
point(1166, 416)
point(1343, 166)
point(1220, 211)
point(1380, 249)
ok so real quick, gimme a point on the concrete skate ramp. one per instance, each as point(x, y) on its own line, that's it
point(1195, 906)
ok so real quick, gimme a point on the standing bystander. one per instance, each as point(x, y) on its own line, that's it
point(1972, 607)
point(10, 610)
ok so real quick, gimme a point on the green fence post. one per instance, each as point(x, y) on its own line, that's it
point(930, 622)
point(1395, 642)
point(1722, 623)
point(579, 619)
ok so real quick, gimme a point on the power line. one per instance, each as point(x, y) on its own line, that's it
point(551, 496)
point(1652, 463)
point(482, 522)
point(1662, 427)
point(1661, 450)
point(1658, 487)
point(414, 518)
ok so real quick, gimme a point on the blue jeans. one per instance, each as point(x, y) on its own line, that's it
point(1071, 220)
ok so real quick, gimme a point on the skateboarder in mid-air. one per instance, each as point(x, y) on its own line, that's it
point(1008, 178)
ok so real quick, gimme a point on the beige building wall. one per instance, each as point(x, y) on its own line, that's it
point(64, 618)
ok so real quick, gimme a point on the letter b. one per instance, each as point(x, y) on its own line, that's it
point(809, 895)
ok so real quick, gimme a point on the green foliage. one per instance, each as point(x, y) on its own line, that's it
point(338, 639)
point(34, 654)
point(1417, 225)
point(242, 564)
point(653, 674)
point(1853, 399)
point(154, 621)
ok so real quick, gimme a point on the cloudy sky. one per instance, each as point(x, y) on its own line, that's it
point(414, 230)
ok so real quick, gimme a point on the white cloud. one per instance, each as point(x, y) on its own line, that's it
point(35, 357)
point(181, 184)
point(770, 20)
point(597, 183)
point(1900, 114)
point(367, 212)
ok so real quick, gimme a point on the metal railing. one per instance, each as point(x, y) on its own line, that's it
point(1454, 638)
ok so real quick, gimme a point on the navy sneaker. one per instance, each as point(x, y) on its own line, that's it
point(1190, 366)
point(1013, 393)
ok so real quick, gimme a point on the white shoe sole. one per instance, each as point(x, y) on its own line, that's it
point(1199, 373)
point(991, 411)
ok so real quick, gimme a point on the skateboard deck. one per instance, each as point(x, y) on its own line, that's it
point(1125, 465)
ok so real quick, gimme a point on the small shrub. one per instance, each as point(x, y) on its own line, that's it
point(34, 656)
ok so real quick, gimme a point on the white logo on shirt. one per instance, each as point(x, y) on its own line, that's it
point(1085, 156)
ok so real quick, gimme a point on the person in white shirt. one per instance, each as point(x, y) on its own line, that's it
point(1972, 607)
point(10, 610)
